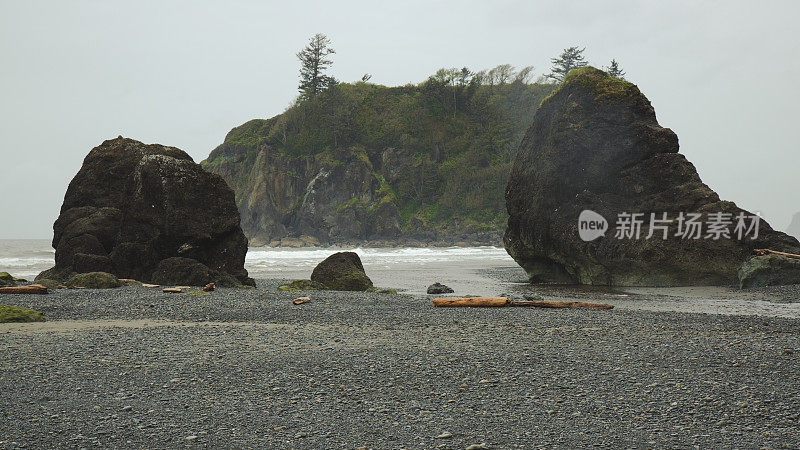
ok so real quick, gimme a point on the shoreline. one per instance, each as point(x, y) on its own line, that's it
point(486, 271)
point(494, 279)
point(136, 303)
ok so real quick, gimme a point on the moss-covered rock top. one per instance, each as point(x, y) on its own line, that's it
point(6, 279)
point(249, 133)
point(604, 85)
point(10, 313)
point(94, 280)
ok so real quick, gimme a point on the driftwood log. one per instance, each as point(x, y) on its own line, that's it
point(766, 251)
point(301, 300)
point(30, 289)
point(503, 301)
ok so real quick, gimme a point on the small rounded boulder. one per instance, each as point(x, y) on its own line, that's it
point(342, 271)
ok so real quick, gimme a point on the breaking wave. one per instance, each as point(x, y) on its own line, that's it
point(275, 258)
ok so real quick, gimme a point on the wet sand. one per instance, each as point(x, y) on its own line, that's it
point(777, 301)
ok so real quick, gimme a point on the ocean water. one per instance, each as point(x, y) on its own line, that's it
point(411, 270)
point(25, 258)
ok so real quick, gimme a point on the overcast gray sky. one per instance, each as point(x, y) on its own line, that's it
point(722, 75)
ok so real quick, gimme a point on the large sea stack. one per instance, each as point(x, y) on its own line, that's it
point(595, 145)
point(150, 213)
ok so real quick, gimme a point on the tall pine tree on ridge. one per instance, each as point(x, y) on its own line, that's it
point(313, 63)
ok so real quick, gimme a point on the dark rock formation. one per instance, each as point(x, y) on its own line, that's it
point(177, 270)
point(7, 280)
point(342, 271)
point(438, 288)
point(94, 280)
point(769, 270)
point(132, 206)
point(595, 145)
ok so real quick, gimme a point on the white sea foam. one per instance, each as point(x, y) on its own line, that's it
point(27, 258)
point(23, 261)
point(275, 258)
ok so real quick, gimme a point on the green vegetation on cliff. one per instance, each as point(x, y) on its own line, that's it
point(440, 150)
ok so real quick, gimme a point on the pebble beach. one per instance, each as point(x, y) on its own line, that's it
point(243, 368)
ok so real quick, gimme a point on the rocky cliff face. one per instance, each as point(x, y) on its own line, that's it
point(334, 196)
point(133, 206)
point(595, 145)
point(362, 162)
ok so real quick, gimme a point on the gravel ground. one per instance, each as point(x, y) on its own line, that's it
point(133, 367)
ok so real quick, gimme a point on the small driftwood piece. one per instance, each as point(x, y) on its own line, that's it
point(150, 285)
point(209, 287)
point(301, 300)
point(173, 290)
point(30, 289)
point(766, 251)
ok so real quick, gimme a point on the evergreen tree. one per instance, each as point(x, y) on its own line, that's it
point(570, 58)
point(464, 76)
point(313, 63)
point(615, 70)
